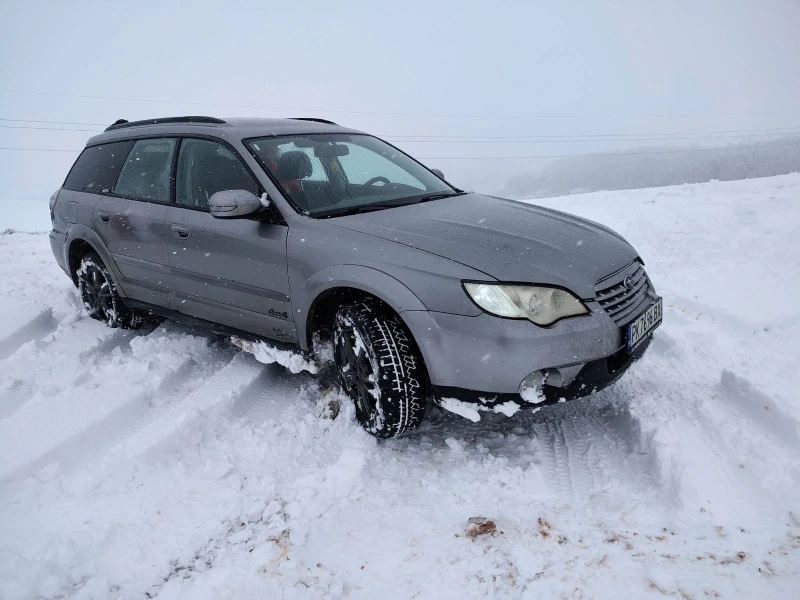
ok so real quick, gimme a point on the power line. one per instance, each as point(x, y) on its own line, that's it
point(485, 141)
point(47, 128)
point(406, 114)
point(724, 148)
point(505, 137)
point(586, 137)
point(53, 122)
point(542, 156)
point(40, 149)
point(572, 139)
point(584, 140)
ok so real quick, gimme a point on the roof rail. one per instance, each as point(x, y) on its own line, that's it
point(314, 120)
point(123, 124)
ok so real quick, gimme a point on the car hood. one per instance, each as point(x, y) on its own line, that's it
point(509, 241)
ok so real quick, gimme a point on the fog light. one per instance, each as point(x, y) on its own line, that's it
point(531, 387)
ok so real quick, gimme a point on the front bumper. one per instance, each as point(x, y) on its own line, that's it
point(593, 377)
point(487, 357)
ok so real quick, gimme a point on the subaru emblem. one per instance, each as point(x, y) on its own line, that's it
point(628, 282)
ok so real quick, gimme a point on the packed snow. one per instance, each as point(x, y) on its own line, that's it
point(295, 362)
point(168, 463)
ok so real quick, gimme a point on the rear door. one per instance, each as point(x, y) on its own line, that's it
point(130, 220)
point(230, 271)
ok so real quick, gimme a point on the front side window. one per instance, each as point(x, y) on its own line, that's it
point(331, 174)
point(97, 168)
point(205, 168)
point(145, 173)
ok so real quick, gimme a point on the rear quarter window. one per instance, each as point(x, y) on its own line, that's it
point(97, 168)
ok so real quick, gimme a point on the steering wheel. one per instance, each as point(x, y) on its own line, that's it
point(375, 180)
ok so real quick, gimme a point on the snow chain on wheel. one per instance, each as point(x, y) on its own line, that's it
point(380, 368)
point(99, 296)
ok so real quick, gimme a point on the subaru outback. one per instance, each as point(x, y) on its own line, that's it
point(311, 236)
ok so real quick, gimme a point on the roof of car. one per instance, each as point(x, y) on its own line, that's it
point(225, 128)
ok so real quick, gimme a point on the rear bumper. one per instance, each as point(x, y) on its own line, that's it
point(58, 242)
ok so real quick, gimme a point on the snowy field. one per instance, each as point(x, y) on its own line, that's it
point(166, 463)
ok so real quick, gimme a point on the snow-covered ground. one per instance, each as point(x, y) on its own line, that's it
point(168, 463)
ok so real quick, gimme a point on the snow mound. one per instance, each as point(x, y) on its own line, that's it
point(264, 353)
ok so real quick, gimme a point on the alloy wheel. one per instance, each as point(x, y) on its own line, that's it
point(357, 374)
point(96, 293)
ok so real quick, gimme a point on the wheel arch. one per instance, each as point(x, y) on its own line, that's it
point(333, 286)
point(82, 239)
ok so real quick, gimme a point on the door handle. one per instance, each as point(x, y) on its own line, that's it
point(104, 216)
point(181, 231)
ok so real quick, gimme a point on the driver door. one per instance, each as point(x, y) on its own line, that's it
point(229, 271)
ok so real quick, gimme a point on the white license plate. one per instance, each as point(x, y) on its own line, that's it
point(644, 324)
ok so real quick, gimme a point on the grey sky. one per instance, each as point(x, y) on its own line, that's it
point(568, 68)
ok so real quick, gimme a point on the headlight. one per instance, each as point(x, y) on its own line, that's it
point(542, 305)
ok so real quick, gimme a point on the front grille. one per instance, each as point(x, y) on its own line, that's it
point(624, 301)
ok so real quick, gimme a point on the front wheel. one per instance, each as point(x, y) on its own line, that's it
point(380, 368)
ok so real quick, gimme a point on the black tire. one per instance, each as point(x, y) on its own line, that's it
point(380, 369)
point(100, 297)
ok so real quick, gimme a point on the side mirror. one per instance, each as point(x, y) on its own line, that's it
point(233, 203)
point(438, 173)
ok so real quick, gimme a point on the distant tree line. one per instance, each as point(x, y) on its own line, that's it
point(642, 170)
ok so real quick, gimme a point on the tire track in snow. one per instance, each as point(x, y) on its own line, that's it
point(30, 330)
point(224, 384)
point(273, 392)
point(585, 449)
point(580, 447)
point(137, 419)
point(226, 432)
point(82, 402)
point(730, 445)
point(45, 364)
point(551, 447)
point(242, 392)
point(75, 336)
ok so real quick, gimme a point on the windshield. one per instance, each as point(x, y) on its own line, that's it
point(333, 174)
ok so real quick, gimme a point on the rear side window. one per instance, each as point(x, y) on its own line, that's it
point(146, 172)
point(97, 168)
point(205, 168)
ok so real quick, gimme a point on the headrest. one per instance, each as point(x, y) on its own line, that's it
point(294, 165)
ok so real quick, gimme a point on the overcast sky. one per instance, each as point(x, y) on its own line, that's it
point(393, 69)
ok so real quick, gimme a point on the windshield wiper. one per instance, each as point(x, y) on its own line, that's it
point(439, 196)
point(355, 210)
point(365, 208)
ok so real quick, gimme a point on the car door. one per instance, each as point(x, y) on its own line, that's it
point(229, 271)
point(130, 220)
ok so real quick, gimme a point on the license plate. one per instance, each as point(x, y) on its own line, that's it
point(644, 324)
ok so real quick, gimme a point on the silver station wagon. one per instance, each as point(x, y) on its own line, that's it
point(316, 237)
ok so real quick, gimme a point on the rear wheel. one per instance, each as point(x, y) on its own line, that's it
point(100, 297)
point(380, 368)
